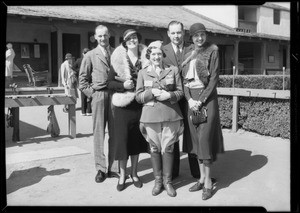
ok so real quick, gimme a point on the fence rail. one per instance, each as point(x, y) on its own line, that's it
point(259, 93)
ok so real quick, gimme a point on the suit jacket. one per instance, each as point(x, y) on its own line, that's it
point(94, 71)
point(155, 111)
point(170, 57)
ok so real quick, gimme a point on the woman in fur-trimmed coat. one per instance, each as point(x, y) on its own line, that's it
point(126, 61)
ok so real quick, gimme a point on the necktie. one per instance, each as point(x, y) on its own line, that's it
point(107, 56)
point(178, 54)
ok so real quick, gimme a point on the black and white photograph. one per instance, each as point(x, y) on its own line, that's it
point(148, 106)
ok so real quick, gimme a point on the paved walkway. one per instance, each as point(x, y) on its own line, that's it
point(45, 171)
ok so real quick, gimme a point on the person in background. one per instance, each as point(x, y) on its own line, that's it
point(85, 101)
point(126, 62)
point(159, 89)
point(9, 63)
point(93, 76)
point(68, 78)
point(200, 77)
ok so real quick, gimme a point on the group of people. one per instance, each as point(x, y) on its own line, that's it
point(149, 96)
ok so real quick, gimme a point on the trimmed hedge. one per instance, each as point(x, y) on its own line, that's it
point(261, 115)
point(265, 116)
point(273, 82)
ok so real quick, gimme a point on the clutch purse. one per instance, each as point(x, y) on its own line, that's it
point(199, 117)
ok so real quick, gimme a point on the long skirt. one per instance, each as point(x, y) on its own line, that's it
point(206, 139)
point(128, 139)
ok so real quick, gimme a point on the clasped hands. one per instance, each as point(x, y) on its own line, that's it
point(128, 84)
point(194, 105)
point(161, 95)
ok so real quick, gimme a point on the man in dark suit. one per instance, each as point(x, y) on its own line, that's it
point(174, 55)
point(93, 76)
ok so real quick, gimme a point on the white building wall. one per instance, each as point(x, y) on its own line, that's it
point(266, 25)
point(226, 14)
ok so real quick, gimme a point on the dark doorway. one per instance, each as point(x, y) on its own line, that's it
point(71, 44)
point(54, 68)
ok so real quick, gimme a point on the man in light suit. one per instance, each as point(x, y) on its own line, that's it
point(93, 76)
point(174, 55)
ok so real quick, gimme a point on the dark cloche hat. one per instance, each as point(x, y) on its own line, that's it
point(196, 28)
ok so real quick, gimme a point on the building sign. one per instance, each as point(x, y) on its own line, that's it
point(243, 30)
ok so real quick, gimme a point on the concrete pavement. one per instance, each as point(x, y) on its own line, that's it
point(254, 170)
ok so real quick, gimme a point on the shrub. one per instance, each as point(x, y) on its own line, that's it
point(273, 82)
point(262, 115)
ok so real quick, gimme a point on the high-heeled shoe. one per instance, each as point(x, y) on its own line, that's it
point(137, 183)
point(198, 186)
point(121, 187)
point(207, 193)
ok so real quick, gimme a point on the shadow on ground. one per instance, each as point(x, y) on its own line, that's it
point(234, 165)
point(230, 167)
point(23, 178)
point(30, 134)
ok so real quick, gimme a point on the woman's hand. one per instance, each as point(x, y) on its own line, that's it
point(128, 84)
point(156, 92)
point(194, 105)
point(164, 95)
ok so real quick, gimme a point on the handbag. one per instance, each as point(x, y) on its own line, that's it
point(200, 116)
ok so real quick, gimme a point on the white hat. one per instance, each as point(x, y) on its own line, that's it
point(157, 44)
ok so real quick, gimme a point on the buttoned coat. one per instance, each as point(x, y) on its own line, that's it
point(155, 111)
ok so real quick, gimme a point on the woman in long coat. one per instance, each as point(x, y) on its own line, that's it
point(126, 62)
point(200, 77)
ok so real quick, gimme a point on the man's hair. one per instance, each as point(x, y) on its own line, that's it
point(175, 22)
point(101, 27)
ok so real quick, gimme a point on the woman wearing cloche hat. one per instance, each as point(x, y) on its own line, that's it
point(126, 61)
point(200, 77)
point(159, 89)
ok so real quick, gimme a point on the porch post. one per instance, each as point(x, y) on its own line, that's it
point(263, 57)
point(236, 57)
point(59, 54)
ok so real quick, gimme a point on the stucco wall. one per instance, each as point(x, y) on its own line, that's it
point(225, 14)
point(265, 23)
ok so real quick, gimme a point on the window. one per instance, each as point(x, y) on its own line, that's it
point(276, 16)
point(241, 13)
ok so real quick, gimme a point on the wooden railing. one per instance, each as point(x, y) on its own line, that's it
point(261, 93)
point(43, 96)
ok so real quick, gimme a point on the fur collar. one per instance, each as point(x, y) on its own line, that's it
point(119, 60)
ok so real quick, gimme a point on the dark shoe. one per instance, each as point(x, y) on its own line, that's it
point(170, 190)
point(138, 183)
point(207, 193)
point(100, 177)
point(112, 174)
point(121, 187)
point(198, 186)
point(168, 159)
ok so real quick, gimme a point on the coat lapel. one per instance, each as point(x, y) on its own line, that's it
point(170, 53)
point(101, 56)
point(164, 73)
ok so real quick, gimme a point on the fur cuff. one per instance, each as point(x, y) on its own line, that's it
point(122, 99)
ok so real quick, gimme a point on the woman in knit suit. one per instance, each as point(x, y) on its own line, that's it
point(200, 77)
